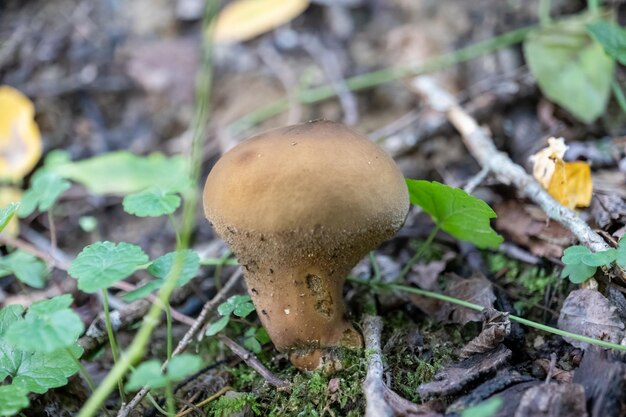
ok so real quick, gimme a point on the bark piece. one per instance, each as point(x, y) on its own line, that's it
point(553, 400)
point(456, 377)
point(603, 376)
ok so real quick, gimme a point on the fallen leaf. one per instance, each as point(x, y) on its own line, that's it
point(568, 182)
point(553, 400)
point(608, 209)
point(542, 236)
point(571, 184)
point(589, 313)
point(20, 140)
point(496, 327)
point(245, 19)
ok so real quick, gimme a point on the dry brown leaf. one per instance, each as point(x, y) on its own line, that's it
point(553, 400)
point(496, 327)
point(542, 236)
point(20, 140)
point(244, 19)
point(589, 313)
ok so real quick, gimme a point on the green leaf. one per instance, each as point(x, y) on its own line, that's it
point(218, 326)
point(102, 264)
point(45, 189)
point(252, 344)
point(163, 265)
point(183, 365)
point(148, 373)
point(122, 172)
point(620, 257)
point(578, 273)
point(574, 254)
point(152, 202)
point(33, 371)
point(612, 37)
point(12, 399)
point(262, 336)
point(463, 216)
point(6, 214)
point(570, 67)
point(486, 408)
point(603, 258)
point(27, 268)
point(48, 326)
point(238, 304)
point(243, 309)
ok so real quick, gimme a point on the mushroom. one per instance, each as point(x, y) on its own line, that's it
point(299, 206)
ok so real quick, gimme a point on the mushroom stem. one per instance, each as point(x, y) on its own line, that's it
point(304, 312)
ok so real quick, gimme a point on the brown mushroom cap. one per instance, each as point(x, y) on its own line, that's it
point(299, 206)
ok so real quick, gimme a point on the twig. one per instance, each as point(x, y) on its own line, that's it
point(476, 180)
point(254, 363)
point(208, 308)
point(373, 386)
point(488, 156)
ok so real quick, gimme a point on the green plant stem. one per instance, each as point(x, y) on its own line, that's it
point(219, 261)
point(619, 95)
point(168, 319)
point(169, 399)
point(418, 254)
point(518, 319)
point(217, 276)
point(112, 341)
point(375, 267)
point(82, 370)
point(173, 223)
point(544, 12)
point(155, 404)
point(136, 350)
point(593, 6)
point(372, 79)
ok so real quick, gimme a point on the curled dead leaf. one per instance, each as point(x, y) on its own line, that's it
point(242, 20)
point(20, 140)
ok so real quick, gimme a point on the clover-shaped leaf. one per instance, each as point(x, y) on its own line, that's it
point(45, 189)
point(48, 326)
point(463, 216)
point(620, 255)
point(149, 373)
point(33, 371)
point(239, 305)
point(217, 326)
point(575, 268)
point(102, 264)
point(603, 258)
point(161, 267)
point(13, 398)
point(152, 202)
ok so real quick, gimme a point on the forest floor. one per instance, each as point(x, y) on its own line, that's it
point(107, 76)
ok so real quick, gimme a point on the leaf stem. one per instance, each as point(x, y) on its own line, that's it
point(619, 95)
point(136, 350)
point(593, 6)
point(418, 254)
point(169, 399)
point(544, 12)
point(526, 322)
point(82, 370)
point(168, 319)
point(112, 341)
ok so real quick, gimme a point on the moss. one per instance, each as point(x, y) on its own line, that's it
point(228, 405)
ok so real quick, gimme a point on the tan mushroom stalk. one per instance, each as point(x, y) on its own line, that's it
point(299, 207)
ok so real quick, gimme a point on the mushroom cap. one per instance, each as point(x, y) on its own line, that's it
point(314, 177)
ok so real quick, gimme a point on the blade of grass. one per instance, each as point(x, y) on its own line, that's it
point(383, 76)
point(136, 350)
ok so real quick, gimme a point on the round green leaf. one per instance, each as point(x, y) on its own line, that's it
point(12, 399)
point(153, 202)
point(218, 326)
point(102, 264)
point(163, 265)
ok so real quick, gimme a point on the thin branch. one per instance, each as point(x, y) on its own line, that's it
point(488, 156)
point(208, 308)
point(373, 386)
point(254, 363)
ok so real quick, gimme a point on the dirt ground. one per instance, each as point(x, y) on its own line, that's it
point(109, 75)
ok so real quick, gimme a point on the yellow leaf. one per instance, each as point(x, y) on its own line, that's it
point(20, 141)
point(244, 19)
point(571, 184)
point(10, 195)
